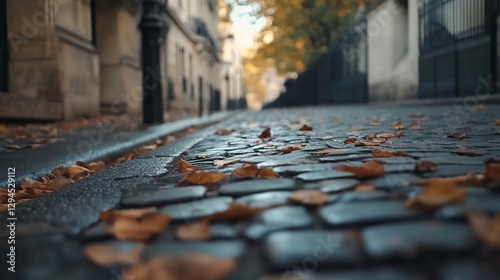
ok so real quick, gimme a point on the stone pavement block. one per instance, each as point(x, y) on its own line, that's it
point(471, 270)
point(301, 168)
point(410, 239)
point(393, 182)
point(196, 209)
point(266, 199)
point(366, 212)
point(487, 203)
point(369, 273)
point(143, 167)
point(339, 185)
point(358, 196)
point(220, 248)
point(324, 175)
point(257, 186)
point(453, 170)
point(311, 248)
point(162, 197)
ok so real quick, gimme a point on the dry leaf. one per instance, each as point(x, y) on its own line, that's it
point(398, 125)
point(437, 195)
point(289, 149)
point(108, 255)
point(235, 211)
point(425, 166)
point(4, 130)
point(53, 132)
point(365, 188)
point(266, 134)
point(111, 215)
point(194, 231)
point(391, 135)
point(417, 115)
point(335, 121)
point(329, 151)
point(350, 140)
point(365, 144)
point(249, 170)
point(96, 166)
point(185, 267)
point(492, 170)
point(76, 172)
point(467, 152)
point(368, 169)
point(223, 132)
point(470, 179)
point(200, 177)
point(458, 135)
point(378, 140)
point(28, 183)
point(309, 197)
point(139, 228)
point(415, 125)
point(376, 152)
point(305, 127)
point(203, 156)
point(185, 166)
point(485, 228)
point(225, 162)
point(497, 122)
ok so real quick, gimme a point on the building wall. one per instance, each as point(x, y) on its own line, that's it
point(393, 50)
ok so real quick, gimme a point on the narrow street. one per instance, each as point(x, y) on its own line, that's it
point(331, 192)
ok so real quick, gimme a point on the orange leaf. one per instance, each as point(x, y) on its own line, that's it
point(376, 152)
point(109, 255)
point(194, 231)
point(368, 169)
point(185, 166)
point(291, 148)
point(236, 211)
point(497, 122)
point(492, 170)
point(185, 267)
point(266, 134)
point(425, 166)
point(249, 170)
point(470, 179)
point(415, 125)
point(486, 228)
point(391, 135)
point(398, 125)
point(309, 197)
point(76, 172)
point(365, 188)
point(329, 150)
point(350, 140)
point(458, 135)
point(225, 162)
point(437, 195)
point(467, 152)
point(305, 127)
point(223, 131)
point(200, 177)
point(112, 215)
point(365, 144)
point(139, 228)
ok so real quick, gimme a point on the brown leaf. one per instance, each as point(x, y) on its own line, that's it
point(467, 152)
point(185, 166)
point(329, 151)
point(485, 228)
point(96, 166)
point(4, 130)
point(415, 125)
point(109, 255)
point(28, 183)
point(194, 231)
point(365, 188)
point(492, 170)
point(425, 166)
point(112, 215)
point(223, 132)
point(365, 144)
point(437, 195)
point(376, 152)
point(335, 121)
point(379, 140)
point(249, 170)
point(305, 127)
point(185, 267)
point(139, 228)
point(200, 177)
point(53, 132)
point(289, 149)
point(458, 135)
point(60, 171)
point(309, 197)
point(391, 135)
point(417, 115)
point(266, 134)
point(76, 172)
point(398, 125)
point(470, 179)
point(368, 169)
point(225, 162)
point(57, 183)
point(350, 140)
point(235, 211)
point(497, 122)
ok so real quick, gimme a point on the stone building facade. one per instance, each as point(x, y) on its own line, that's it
point(64, 59)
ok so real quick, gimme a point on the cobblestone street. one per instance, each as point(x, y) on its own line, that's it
point(304, 200)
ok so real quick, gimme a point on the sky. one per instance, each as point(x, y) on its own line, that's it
point(245, 26)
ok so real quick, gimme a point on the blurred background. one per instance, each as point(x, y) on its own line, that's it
point(67, 59)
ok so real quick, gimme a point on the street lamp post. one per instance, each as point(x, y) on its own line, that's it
point(153, 29)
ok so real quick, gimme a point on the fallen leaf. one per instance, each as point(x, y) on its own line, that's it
point(309, 197)
point(329, 151)
point(53, 132)
point(335, 121)
point(417, 115)
point(194, 231)
point(368, 169)
point(365, 188)
point(224, 162)
point(76, 172)
point(436, 195)
point(376, 123)
point(379, 140)
point(200, 177)
point(470, 179)
point(481, 106)
point(425, 166)
point(350, 140)
point(398, 125)
point(289, 149)
point(112, 215)
point(391, 135)
point(458, 135)
point(266, 134)
point(415, 125)
point(497, 122)
point(223, 132)
point(235, 211)
point(365, 144)
point(485, 228)
point(467, 152)
point(109, 255)
point(305, 127)
point(28, 183)
point(492, 170)
point(4, 130)
point(185, 166)
point(249, 170)
point(185, 267)
point(203, 156)
point(57, 183)
point(376, 152)
point(139, 229)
